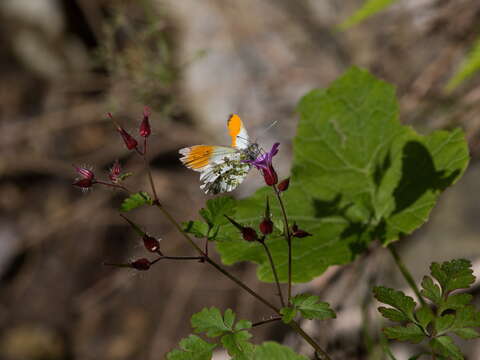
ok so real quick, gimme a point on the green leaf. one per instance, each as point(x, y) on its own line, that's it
point(455, 301)
point(358, 175)
point(392, 314)
point(310, 307)
point(211, 322)
point(238, 346)
point(397, 299)
point(467, 69)
point(431, 290)
point(443, 323)
point(418, 356)
point(136, 200)
point(288, 314)
point(445, 346)
point(196, 228)
point(271, 350)
point(424, 317)
point(465, 319)
point(453, 275)
point(411, 332)
point(192, 348)
point(217, 208)
point(368, 9)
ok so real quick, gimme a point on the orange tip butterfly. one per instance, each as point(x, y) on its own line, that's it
point(222, 168)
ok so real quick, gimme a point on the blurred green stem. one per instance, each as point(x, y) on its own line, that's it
point(406, 274)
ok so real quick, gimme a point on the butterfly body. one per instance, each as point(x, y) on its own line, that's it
point(222, 168)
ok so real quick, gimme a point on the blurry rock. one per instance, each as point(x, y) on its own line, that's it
point(30, 341)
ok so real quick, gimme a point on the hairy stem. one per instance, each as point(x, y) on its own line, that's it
point(288, 237)
point(406, 273)
point(274, 271)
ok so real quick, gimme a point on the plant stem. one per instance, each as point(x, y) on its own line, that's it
point(279, 289)
point(294, 325)
point(276, 318)
point(323, 355)
point(288, 237)
point(177, 258)
point(406, 274)
point(150, 178)
point(121, 187)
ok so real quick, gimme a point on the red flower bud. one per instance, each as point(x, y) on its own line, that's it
point(270, 176)
point(83, 183)
point(115, 171)
point(266, 226)
point(145, 130)
point(150, 243)
point(249, 234)
point(283, 185)
point(128, 139)
point(86, 179)
point(142, 264)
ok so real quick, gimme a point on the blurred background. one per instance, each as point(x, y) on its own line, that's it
point(64, 64)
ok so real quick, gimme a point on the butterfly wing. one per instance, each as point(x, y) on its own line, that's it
point(220, 167)
point(238, 132)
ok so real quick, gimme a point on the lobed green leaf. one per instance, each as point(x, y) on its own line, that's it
point(136, 200)
point(310, 307)
point(397, 299)
point(445, 346)
point(453, 275)
point(368, 9)
point(211, 322)
point(410, 332)
point(357, 175)
point(192, 348)
point(431, 290)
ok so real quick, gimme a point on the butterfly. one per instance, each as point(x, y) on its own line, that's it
point(222, 168)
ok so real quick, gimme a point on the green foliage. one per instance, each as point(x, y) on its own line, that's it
point(233, 336)
point(136, 200)
point(450, 313)
point(213, 216)
point(368, 9)
point(192, 348)
point(309, 307)
point(467, 69)
point(358, 175)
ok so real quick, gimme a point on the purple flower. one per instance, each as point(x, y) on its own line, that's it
point(264, 164)
point(145, 129)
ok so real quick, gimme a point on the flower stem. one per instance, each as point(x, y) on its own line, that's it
point(272, 319)
point(121, 187)
point(150, 178)
point(279, 289)
point(288, 237)
point(294, 325)
point(406, 274)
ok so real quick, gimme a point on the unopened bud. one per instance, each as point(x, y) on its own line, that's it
point(145, 129)
point(150, 243)
point(142, 264)
point(128, 139)
point(284, 184)
point(86, 179)
point(270, 176)
point(266, 226)
point(249, 234)
point(115, 171)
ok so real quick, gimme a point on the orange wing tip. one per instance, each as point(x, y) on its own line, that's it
point(196, 157)
point(234, 125)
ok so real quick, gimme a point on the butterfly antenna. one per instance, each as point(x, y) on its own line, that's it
point(264, 131)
